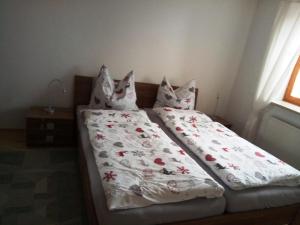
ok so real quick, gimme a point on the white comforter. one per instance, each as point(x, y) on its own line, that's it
point(139, 165)
point(236, 161)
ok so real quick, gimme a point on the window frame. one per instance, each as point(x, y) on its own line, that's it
point(287, 95)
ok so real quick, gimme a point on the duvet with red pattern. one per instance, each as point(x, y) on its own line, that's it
point(139, 165)
point(239, 163)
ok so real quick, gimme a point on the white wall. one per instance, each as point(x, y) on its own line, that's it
point(244, 88)
point(182, 39)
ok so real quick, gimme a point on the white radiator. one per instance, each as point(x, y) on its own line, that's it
point(279, 134)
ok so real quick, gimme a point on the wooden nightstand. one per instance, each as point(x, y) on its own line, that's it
point(221, 121)
point(45, 129)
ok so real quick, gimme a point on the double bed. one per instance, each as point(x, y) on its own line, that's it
point(268, 205)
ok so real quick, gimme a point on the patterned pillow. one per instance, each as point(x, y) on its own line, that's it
point(110, 95)
point(189, 116)
point(115, 116)
point(181, 98)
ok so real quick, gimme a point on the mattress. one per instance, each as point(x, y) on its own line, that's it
point(243, 200)
point(155, 214)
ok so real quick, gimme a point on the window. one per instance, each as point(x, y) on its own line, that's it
point(292, 93)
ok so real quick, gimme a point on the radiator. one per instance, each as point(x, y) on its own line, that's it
point(279, 134)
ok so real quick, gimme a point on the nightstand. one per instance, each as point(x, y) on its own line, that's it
point(221, 120)
point(45, 129)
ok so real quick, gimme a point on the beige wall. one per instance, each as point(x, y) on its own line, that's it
point(244, 88)
point(182, 39)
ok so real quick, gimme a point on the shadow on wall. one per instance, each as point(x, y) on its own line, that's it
point(54, 94)
point(14, 117)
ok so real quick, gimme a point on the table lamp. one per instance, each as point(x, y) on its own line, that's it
point(50, 108)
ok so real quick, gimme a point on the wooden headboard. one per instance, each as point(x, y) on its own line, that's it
point(146, 92)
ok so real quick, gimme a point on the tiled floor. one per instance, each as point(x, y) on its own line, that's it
point(38, 186)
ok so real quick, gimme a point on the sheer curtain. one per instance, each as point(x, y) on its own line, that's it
point(283, 51)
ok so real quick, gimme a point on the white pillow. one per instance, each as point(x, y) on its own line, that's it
point(181, 98)
point(107, 95)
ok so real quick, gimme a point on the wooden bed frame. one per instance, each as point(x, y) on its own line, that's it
point(146, 95)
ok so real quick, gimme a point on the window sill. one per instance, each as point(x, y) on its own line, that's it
point(287, 105)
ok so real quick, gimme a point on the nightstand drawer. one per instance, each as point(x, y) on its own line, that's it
point(44, 129)
point(49, 124)
point(34, 124)
point(58, 124)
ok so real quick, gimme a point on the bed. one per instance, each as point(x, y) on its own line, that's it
point(243, 200)
point(209, 214)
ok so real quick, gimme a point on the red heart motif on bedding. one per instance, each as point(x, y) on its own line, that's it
point(209, 157)
point(159, 161)
point(140, 130)
point(178, 129)
point(182, 152)
point(259, 154)
point(119, 91)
